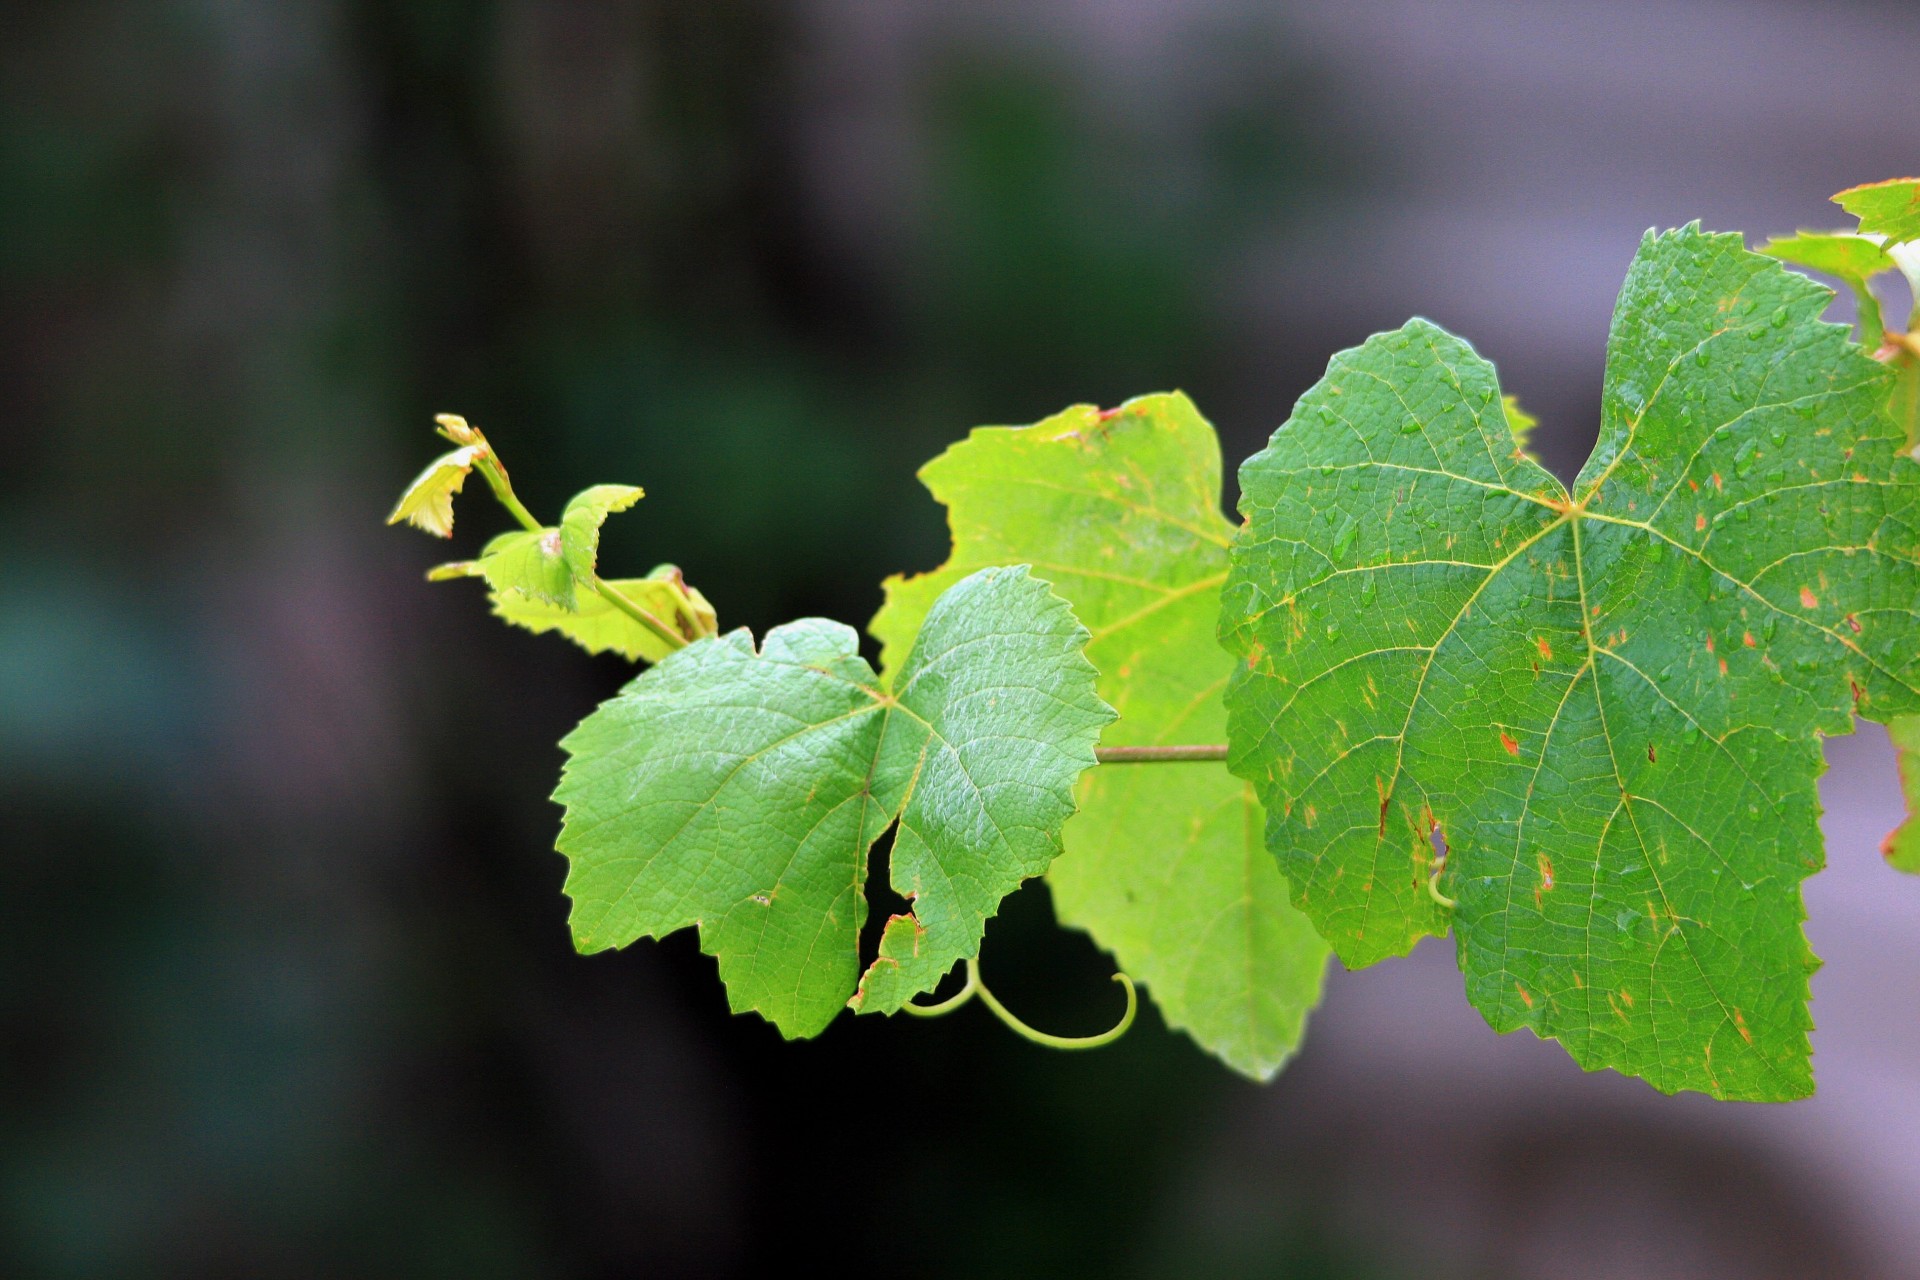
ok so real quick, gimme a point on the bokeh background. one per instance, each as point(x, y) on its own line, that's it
point(285, 986)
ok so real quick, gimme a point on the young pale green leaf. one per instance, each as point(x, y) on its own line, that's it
point(739, 792)
point(1907, 258)
point(599, 627)
point(580, 524)
point(1902, 847)
point(1163, 863)
point(428, 502)
point(1606, 708)
point(1519, 422)
point(1853, 258)
point(529, 563)
point(1890, 208)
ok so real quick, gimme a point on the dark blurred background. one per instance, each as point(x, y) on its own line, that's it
point(285, 983)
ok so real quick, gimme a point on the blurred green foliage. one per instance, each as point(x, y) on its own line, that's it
point(288, 986)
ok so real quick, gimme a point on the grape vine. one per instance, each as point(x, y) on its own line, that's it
point(1424, 688)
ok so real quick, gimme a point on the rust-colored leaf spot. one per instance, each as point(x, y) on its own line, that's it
point(1546, 650)
point(1523, 994)
point(1626, 998)
point(1723, 666)
point(1854, 622)
point(1653, 757)
point(1746, 638)
point(1700, 522)
point(1716, 479)
point(1546, 878)
point(1513, 748)
point(1808, 600)
point(1740, 1022)
point(1693, 484)
point(1709, 642)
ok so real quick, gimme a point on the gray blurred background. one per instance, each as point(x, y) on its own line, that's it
point(285, 984)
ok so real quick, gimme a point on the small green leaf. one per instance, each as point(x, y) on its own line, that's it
point(1163, 863)
point(454, 569)
point(531, 563)
point(580, 524)
point(1890, 208)
point(599, 627)
point(1853, 258)
point(1606, 705)
point(1903, 846)
point(428, 502)
point(1519, 422)
point(739, 792)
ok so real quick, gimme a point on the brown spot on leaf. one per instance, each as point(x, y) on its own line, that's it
point(1546, 650)
point(1523, 994)
point(1808, 600)
point(1746, 638)
point(1513, 748)
point(1699, 522)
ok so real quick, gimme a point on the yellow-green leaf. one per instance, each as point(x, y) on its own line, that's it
point(428, 502)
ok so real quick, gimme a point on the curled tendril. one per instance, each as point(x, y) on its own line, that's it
point(975, 987)
point(952, 1002)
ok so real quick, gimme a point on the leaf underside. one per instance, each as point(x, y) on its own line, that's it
point(1164, 865)
point(740, 792)
point(1609, 709)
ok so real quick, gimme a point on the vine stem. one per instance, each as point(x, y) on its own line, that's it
point(1026, 1032)
point(496, 478)
point(619, 600)
point(1159, 755)
point(975, 987)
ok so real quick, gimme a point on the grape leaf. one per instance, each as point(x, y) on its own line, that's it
point(1852, 258)
point(1902, 847)
point(1519, 422)
point(580, 524)
point(598, 627)
point(739, 792)
point(428, 502)
point(1163, 863)
point(1606, 708)
point(530, 563)
point(1890, 208)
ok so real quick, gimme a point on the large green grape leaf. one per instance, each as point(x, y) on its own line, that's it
point(1163, 864)
point(1607, 707)
point(739, 792)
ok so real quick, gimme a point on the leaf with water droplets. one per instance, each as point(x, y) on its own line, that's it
point(1593, 732)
